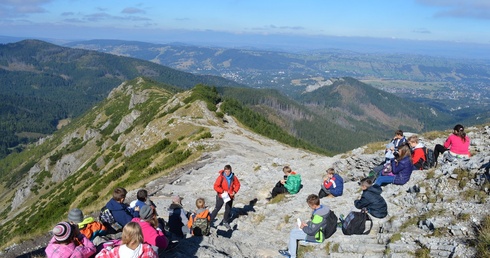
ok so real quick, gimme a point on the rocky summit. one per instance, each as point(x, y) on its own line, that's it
point(435, 214)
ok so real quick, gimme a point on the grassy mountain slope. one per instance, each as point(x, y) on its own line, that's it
point(359, 106)
point(41, 83)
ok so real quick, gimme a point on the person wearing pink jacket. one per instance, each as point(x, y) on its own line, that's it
point(68, 242)
point(457, 145)
point(151, 234)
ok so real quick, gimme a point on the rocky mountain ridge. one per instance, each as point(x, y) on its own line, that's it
point(452, 197)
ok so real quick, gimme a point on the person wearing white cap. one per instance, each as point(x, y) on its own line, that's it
point(177, 218)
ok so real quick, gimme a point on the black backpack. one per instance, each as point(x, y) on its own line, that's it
point(331, 226)
point(430, 159)
point(108, 220)
point(355, 223)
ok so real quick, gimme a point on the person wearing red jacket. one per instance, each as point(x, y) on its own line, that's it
point(226, 187)
point(418, 153)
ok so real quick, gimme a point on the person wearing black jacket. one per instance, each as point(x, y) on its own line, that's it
point(371, 199)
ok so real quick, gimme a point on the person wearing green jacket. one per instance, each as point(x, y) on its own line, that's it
point(290, 184)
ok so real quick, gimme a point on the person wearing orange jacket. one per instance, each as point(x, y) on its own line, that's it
point(226, 187)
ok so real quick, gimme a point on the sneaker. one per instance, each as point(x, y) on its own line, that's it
point(285, 253)
point(227, 225)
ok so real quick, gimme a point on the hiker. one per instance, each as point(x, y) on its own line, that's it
point(418, 152)
point(87, 226)
point(291, 183)
point(457, 145)
point(401, 168)
point(149, 226)
point(371, 199)
point(132, 245)
point(398, 140)
point(177, 218)
point(226, 187)
point(311, 230)
point(200, 219)
point(121, 212)
point(67, 241)
point(142, 199)
point(332, 186)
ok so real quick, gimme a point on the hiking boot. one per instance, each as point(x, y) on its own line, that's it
point(285, 253)
point(227, 225)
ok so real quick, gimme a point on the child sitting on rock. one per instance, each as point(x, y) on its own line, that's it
point(68, 242)
point(87, 226)
point(371, 199)
point(199, 221)
point(121, 212)
point(290, 184)
point(311, 230)
point(177, 218)
point(332, 186)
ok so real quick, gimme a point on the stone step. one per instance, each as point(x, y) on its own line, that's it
point(349, 247)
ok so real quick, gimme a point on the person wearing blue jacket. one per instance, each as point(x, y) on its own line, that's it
point(402, 168)
point(121, 212)
point(371, 199)
point(332, 186)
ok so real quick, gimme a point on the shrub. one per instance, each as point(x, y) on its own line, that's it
point(483, 238)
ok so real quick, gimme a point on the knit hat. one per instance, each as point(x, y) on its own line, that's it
point(146, 212)
point(177, 199)
point(75, 215)
point(62, 231)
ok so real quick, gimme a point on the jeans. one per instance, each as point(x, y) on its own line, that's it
point(384, 180)
point(295, 235)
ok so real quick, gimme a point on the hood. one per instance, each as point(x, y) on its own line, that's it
point(419, 145)
point(114, 206)
point(175, 206)
point(322, 211)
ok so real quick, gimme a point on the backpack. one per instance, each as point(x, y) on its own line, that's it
point(430, 159)
point(108, 220)
point(331, 226)
point(200, 223)
point(355, 223)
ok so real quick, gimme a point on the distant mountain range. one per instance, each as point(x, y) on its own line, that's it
point(43, 83)
point(457, 85)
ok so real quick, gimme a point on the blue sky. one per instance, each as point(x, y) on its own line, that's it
point(152, 20)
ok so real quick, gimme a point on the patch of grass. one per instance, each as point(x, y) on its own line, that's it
point(464, 216)
point(430, 174)
point(258, 218)
point(395, 237)
point(327, 247)
point(422, 252)
point(439, 232)
point(204, 135)
point(257, 168)
point(303, 250)
point(483, 238)
point(277, 199)
point(374, 147)
point(411, 221)
point(469, 194)
point(434, 135)
point(335, 247)
point(387, 251)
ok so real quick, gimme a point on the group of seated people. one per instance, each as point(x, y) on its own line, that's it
point(143, 233)
point(409, 155)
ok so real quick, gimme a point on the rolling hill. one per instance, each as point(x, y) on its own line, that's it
point(42, 83)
